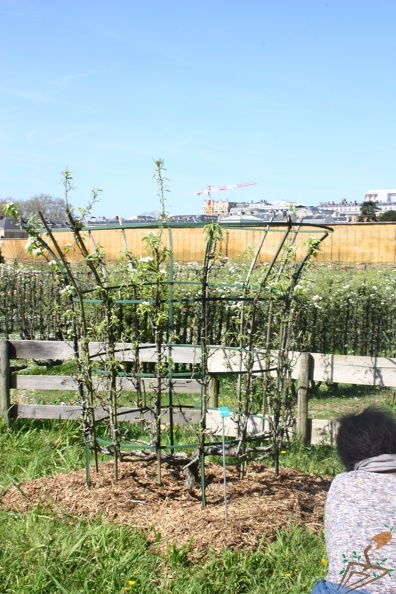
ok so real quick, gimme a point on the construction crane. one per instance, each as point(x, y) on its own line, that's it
point(209, 189)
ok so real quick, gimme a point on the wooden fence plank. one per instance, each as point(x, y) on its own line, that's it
point(60, 382)
point(40, 349)
point(375, 371)
point(73, 413)
point(42, 382)
point(350, 369)
point(321, 431)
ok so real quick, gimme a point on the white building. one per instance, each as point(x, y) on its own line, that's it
point(385, 199)
point(350, 210)
point(381, 196)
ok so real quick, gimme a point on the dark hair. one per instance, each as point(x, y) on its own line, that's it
point(365, 435)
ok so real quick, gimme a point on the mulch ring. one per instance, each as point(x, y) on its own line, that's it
point(257, 505)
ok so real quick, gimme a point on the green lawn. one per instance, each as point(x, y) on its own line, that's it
point(332, 401)
point(41, 553)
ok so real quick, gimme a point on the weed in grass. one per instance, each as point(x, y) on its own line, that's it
point(178, 556)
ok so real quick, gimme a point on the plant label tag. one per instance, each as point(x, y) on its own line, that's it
point(224, 412)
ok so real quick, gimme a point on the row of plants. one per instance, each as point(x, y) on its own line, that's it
point(337, 311)
point(347, 311)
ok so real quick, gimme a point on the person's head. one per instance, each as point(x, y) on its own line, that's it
point(365, 435)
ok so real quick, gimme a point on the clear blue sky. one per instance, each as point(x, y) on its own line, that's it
point(297, 95)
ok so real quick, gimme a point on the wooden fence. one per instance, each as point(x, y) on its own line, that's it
point(355, 243)
point(370, 371)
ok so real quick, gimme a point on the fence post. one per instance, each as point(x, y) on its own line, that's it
point(213, 390)
point(5, 402)
point(302, 398)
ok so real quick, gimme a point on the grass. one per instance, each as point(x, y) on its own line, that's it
point(35, 448)
point(333, 400)
point(311, 459)
point(42, 553)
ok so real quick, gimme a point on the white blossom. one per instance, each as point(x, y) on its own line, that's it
point(68, 290)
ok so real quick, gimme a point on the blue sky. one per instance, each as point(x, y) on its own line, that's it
point(296, 95)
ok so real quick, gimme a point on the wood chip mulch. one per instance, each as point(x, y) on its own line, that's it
point(257, 505)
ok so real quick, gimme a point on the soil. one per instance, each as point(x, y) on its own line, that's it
point(257, 505)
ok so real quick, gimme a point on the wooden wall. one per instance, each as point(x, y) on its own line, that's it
point(356, 243)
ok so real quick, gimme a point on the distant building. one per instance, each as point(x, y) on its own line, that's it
point(149, 218)
point(280, 210)
point(192, 218)
point(224, 208)
point(219, 208)
point(350, 210)
point(10, 229)
point(385, 199)
point(239, 218)
point(383, 196)
point(136, 220)
point(324, 219)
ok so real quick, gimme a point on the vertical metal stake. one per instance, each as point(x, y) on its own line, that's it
point(87, 464)
point(224, 472)
point(224, 412)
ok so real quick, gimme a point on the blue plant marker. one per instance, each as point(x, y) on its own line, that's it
point(224, 413)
